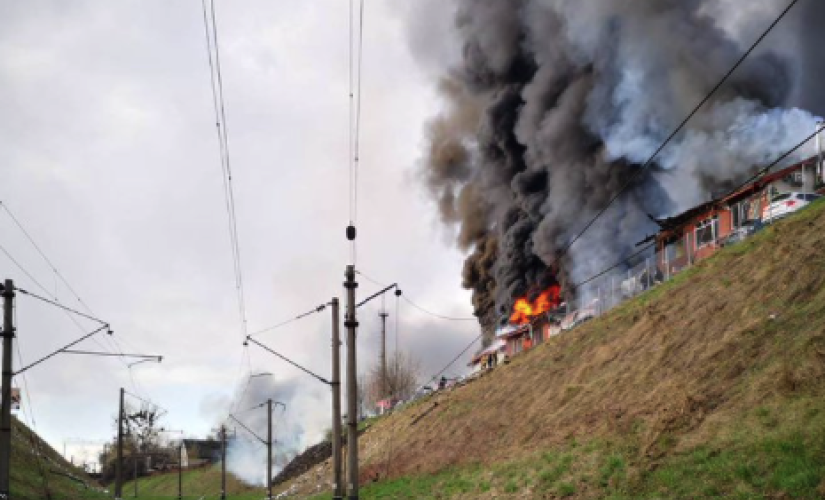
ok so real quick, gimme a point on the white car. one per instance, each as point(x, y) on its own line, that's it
point(785, 204)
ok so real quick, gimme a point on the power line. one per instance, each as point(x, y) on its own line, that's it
point(425, 311)
point(317, 309)
point(219, 105)
point(436, 315)
point(678, 129)
point(354, 125)
point(471, 344)
point(614, 266)
point(776, 162)
point(350, 127)
point(45, 258)
point(221, 126)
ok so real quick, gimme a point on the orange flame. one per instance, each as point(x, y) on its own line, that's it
point(524, 310)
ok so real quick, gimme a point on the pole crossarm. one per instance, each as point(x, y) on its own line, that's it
point(146, 357)
point(377, 294)
point(261, 406)
point(296, 365)
point(247, 429)
point(61, 306)
point(63, 349)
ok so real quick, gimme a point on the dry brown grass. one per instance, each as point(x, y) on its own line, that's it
point(672, 369)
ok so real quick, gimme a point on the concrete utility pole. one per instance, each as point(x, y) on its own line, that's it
point(5, 412)
point(269, 449)
point(335, 383)
point(351, 323)
point(223, 462)
point(385, 386)
point(180, 470)
point(135, 474)
point(119, 462)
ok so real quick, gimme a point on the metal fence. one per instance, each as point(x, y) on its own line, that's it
point(636, 275)
point(627, 280)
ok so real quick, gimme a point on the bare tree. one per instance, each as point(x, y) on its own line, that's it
point(142, 428)
point(402, 375)
point(141, 434)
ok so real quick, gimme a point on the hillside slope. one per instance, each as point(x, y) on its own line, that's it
point(198, 483)
point(50, 477)
point(710, 385)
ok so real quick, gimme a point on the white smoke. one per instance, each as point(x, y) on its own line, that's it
point(246, 459)
point(246, 453)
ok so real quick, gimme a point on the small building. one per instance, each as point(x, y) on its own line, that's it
point(519, 338)
point(516, 339)
point(699, 232)
point(202, 450)
point(497, 350)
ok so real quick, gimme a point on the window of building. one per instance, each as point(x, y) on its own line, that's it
point(741, 213)
point(707, 231)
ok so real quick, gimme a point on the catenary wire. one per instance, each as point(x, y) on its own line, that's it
point(219, 107)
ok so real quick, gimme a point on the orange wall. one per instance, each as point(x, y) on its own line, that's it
point(688, 234)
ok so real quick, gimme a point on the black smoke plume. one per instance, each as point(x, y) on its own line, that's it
point(555, 104)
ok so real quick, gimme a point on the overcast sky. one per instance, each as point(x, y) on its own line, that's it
point(109, 158)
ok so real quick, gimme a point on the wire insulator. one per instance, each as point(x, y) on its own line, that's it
point(351, 232)
point(397, 292)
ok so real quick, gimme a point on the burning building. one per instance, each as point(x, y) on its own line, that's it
point(553, 106)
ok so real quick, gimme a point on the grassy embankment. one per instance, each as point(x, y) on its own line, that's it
point(200, 483)
point(33, 479)
point(711, 385)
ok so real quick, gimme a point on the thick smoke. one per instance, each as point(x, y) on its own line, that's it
point(555, 105)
